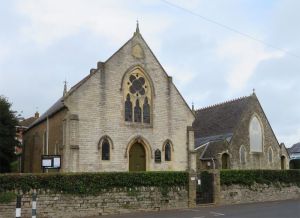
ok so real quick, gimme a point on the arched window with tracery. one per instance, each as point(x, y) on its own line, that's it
point(105, 150)
point(255, 135)
point(137, 97)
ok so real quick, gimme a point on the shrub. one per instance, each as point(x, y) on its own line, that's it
point(90, 183)
point(6, 197)
point(249, 177)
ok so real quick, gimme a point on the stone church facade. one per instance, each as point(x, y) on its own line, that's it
point(237, 135)
point(125, 115)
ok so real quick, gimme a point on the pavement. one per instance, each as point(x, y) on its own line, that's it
point(275, 209)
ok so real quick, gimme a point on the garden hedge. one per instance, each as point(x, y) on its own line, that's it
point(249, 177)
point(90, 183)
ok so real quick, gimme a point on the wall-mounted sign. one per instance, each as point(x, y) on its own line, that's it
point(51, 161)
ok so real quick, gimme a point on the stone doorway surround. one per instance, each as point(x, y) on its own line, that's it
point(137, 157)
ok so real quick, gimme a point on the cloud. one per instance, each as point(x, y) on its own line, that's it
point(52, 20)
point(243, 56)
point(4, 52)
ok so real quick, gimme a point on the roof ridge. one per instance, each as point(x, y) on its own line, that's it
point(223, 103)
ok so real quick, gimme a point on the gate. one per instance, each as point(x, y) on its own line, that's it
point(205, 188)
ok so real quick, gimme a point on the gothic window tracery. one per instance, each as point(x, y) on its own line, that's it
point(137, 97)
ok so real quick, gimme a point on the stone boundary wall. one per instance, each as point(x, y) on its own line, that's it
point(116, 201)
point(238, 194)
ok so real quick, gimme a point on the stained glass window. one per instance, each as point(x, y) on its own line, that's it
point(137, 97)
point(128, 109)
point(105, 150)
point(137, 112)
point(146, 111)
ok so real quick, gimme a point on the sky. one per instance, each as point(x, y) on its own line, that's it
point(215, 50)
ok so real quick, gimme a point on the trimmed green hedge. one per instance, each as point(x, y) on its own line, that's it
point(90, 183)
point(249, 177)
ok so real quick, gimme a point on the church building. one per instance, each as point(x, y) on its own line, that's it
point(127, 115)
point(237, 135)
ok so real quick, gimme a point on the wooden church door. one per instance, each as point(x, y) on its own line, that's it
point(137, 158)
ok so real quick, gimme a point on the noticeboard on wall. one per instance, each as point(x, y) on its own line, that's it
point(51, 161)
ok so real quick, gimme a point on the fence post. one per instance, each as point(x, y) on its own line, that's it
point(217, 186)
point(18, 206)
point(33, 205)
point(192, 189)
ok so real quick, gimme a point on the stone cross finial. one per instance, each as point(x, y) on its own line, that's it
point(253, 91)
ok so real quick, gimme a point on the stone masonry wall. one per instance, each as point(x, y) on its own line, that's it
point(255, 160)
point(99, 105)
point(238, 194)
point(112, 202)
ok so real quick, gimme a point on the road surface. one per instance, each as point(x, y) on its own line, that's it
point(276, 209)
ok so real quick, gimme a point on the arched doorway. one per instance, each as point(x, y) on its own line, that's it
point(282, 162)
point(225, 161)
point(137, 157)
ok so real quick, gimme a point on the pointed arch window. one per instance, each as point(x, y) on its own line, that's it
point(128, 109)
point(270, 155)
point(137, 112)
point(105, 150)
point(146, 111)
point(157, 156)
point(138, 97)
point(168, 152)
point(242, 154)
point(255, 135)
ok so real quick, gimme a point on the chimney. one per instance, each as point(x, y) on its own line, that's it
point(36, 115)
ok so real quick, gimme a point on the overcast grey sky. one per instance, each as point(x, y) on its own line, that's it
point(42, 43)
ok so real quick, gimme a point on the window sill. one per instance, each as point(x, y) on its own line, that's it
point(139, 125)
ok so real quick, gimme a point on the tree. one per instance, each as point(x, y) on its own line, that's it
point(8, 123)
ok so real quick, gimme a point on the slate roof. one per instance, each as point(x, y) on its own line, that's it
point(295, 148)
point(212, 148)
point(27, 122)
point(215, 138)
point(218, 122)
point(57, 106)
